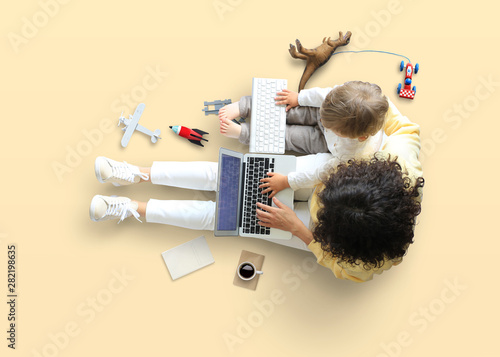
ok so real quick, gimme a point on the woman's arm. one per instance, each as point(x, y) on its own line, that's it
point(284, 218)
point(403, 139)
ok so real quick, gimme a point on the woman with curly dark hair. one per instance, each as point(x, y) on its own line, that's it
point(363, 215)
point(367, 214)
point(352, 222)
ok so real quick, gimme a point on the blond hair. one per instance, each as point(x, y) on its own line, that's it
point(354, 109)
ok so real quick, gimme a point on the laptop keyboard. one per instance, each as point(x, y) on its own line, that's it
point(256, 169)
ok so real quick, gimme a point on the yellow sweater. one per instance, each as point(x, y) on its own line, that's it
point(404, 142)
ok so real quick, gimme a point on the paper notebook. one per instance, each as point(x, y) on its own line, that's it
point(188, 257)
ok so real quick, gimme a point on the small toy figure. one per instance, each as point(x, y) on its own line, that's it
point(217, 105)
point(407, 91)
point(132, 124)
point(318, 56)
point(193, 135)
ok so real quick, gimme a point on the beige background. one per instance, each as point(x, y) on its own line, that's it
point(67, 71)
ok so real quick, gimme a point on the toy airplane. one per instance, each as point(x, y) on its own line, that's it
point(193, 135)
point(132, 124)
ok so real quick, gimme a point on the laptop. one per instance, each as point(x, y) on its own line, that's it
point(238, 193)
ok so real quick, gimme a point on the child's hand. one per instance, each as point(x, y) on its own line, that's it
point(288, 97)
point(274, 183)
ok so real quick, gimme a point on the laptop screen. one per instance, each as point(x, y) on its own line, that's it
point(229, 176)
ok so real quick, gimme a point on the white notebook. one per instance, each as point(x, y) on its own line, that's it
point(188, 257)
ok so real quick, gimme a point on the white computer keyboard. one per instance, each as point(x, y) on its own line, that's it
point(268, 120)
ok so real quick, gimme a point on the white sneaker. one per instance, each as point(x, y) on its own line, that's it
point(118, 173)
point(103, 208)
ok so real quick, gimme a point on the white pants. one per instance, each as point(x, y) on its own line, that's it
point(202, 175)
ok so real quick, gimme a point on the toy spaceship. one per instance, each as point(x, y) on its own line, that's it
point(193, 135)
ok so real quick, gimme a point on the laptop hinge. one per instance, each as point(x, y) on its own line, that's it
point(242, 191)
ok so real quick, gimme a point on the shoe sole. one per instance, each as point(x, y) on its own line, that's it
point(92, 208)
point(98, 172)
point(96, 168)
point(93, 203)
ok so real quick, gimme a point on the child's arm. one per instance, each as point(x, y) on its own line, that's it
point(288, 97)
point(313, 97)
point(274, 183)
point(309, 179)
point(296, 180)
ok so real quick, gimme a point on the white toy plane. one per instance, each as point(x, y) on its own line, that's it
point(132, 124)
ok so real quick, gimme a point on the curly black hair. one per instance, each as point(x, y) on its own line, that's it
point(368, 211)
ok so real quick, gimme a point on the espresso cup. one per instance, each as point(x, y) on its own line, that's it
point(247, 271)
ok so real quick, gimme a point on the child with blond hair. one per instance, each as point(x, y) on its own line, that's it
point(345, 121)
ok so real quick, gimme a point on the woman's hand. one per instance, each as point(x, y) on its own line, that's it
point(288, 97)
point(281, 217)
point(284, 218)
point(274, 183)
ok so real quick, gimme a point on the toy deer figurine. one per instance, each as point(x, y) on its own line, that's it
point(318, 56)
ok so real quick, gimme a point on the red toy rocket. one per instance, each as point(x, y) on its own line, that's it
point(193, 135)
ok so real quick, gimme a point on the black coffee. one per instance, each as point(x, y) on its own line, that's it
point(246, 271)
